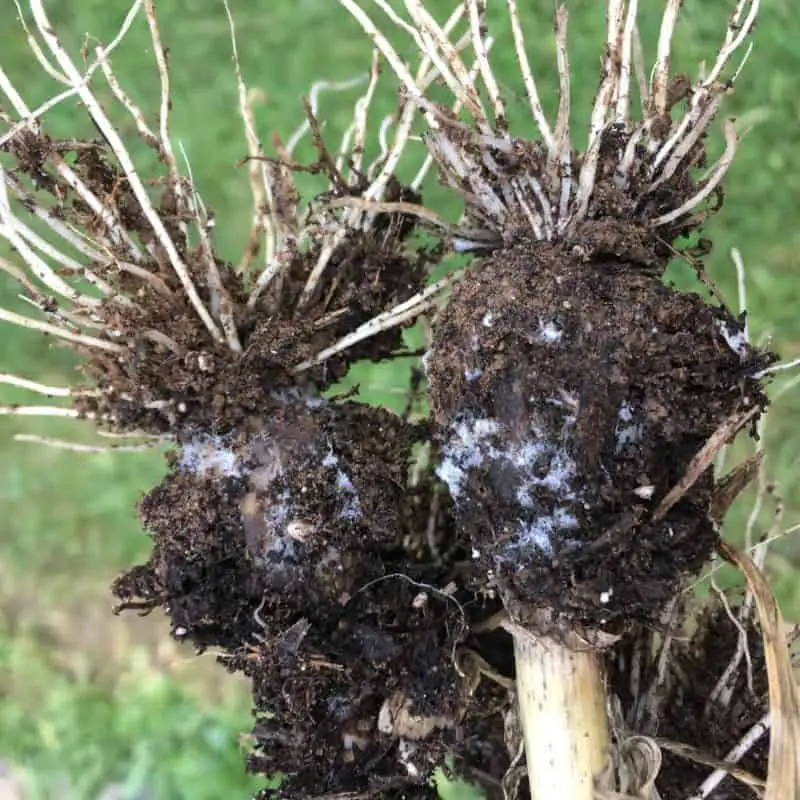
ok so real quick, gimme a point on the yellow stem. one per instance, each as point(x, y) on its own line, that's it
point(562, 702)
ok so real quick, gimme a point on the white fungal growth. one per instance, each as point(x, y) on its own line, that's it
point(206, 454)
point(351, 509)
point(627, 431)
point(424, 360)
point(539, 533)
point(735, 339)
point(472, 375)
point(549, 333)
point(466, 449)
point(488, 319)
point(606, 596)
point(471, 445)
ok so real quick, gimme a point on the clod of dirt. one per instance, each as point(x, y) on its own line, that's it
point(286, 546)
point(569, 396)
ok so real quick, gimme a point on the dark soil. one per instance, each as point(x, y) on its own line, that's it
point(685, 714)
point(291, 548)
point(569, 397)
point(173, 375)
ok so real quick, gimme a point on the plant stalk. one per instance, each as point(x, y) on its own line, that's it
point(562, 704)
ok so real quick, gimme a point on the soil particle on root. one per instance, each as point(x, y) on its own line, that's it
point(568, 398)
point(172, 374)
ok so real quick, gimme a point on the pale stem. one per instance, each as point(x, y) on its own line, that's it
point(41, 411)
point(425, 44)
point(44, 62)
point(609, 86)
point(360, 117)
point(398, 207)
point(79, 241)
point(641, 76)
point(258, 169)
point(456, 109)
point(782, 367)
point(688, 135)
point(711, 183)
point(59, 77)
point(125, 100)
point(43, 389)
point(404, 312)
point(163, 115)
point(79, 447)
point(16, 231)
point(561, 170)
point(424, 75)
point(624, 88)
point(477, 20)
point(428, 26)
point(741, 288)
point(736, 33)
point(389, 53)
point(562, 703)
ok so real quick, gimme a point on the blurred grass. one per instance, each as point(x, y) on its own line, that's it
point(86, 698)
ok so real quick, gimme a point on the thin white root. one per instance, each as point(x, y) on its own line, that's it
point(530, 84)
point(61, 333)
point(316, 90)
point(41, 411)
point(44, 389)
point(115, 142)
point(79, 447)
point(782, 367)
point(397, 207)
point(711, 183)
point(383, 322)
point(733, 756)
point(659, 82)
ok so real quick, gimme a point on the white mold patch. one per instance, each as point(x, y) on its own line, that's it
point(536, 465)
point(735, 339)
point(628, 431)
point(488, 319)
point(539, 533)
point(424, 360)
point(472, 375)
point(549, 333)
point(466, 449)
point(209, 455)
point(351, 508)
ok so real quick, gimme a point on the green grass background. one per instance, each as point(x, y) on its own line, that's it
point(87, 699)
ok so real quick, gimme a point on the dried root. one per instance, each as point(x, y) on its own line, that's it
point(636, 170)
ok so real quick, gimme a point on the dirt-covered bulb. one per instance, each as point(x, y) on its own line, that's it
point(569, 396)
